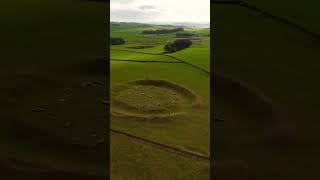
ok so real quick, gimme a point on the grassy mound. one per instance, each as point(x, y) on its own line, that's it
point(152, 99)
point(186, 128)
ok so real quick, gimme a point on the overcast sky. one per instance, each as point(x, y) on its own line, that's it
point(160, 10)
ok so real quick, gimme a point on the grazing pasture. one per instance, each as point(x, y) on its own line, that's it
point(266, 95)
point(160, 106)
point(53, 85)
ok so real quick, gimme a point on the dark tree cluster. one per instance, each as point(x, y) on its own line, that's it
point(177, 45)
point(162, 31)
point(184, 35)
point(117, 41)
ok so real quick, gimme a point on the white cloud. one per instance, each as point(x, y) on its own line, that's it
point(147, 7)
point(160, 10)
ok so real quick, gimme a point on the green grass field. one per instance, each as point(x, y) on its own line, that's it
point(51, 121)
point(303, 13)
point(189, 133)
point(53, 95)
point(275, 140)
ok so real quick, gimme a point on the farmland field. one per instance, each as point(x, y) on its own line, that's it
point(266, 91)
point(161, 99)
point(53, 95)
point(301, 13)
point(53, 82)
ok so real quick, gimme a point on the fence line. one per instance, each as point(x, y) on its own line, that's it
point(166, 147)
point(271, 16)
point(172, 57)
point(145, 61)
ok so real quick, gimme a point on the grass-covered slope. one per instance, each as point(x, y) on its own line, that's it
point(303, 13)
point(130, 159)
point(275, 59)
point(270, 100)
point(50, 50)
point(188, 133)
